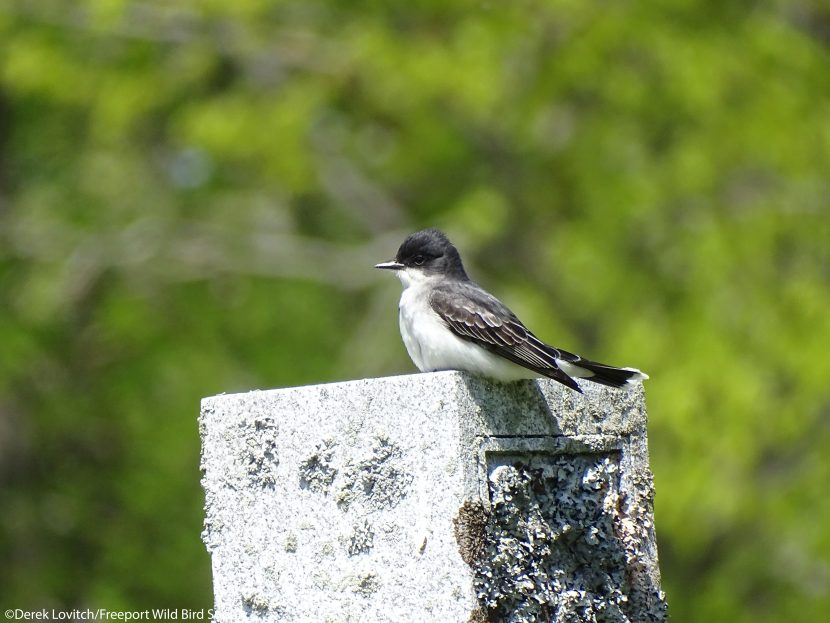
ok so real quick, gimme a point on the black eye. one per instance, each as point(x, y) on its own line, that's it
point(418, 260)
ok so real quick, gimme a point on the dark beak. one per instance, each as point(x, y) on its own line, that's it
point(390, 265)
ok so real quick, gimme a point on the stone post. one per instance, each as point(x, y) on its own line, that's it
point(431, 497)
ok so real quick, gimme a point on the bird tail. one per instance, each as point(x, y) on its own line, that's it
point(576, 366)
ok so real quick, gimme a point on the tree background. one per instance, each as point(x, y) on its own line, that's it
point(193, 194)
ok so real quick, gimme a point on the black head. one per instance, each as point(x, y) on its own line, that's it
point(430, 252)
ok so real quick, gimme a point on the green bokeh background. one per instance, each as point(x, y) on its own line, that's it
point(193, 194)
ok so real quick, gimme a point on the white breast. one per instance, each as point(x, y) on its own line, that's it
point(432, 346)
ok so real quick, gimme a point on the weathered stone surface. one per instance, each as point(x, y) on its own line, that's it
point(430, 497)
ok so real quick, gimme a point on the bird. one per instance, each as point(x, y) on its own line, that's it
point(449, 322)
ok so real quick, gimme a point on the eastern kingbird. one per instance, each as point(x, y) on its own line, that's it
point(448, 322)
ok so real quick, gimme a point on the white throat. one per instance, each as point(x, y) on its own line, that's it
point(414, 277)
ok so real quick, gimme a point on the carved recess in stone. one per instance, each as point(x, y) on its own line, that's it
point(553, 540)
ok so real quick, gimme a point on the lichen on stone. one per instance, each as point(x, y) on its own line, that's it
point(317, 472)
point(551, 546)
point(377, 481)
point(255, 603)
point(261, 460)
point(470, 526)
point(364, 584)
point(291, 542)
point(361, 539)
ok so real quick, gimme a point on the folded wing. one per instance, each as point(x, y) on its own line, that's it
point(473, 314)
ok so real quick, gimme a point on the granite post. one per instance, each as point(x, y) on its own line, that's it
point(431, 497)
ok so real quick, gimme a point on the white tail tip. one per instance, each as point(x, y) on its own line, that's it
point(638, 375)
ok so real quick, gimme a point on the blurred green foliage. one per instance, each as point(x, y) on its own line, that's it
point(192, 195)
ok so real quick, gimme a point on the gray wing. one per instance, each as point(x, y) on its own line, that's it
point(475, 315)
